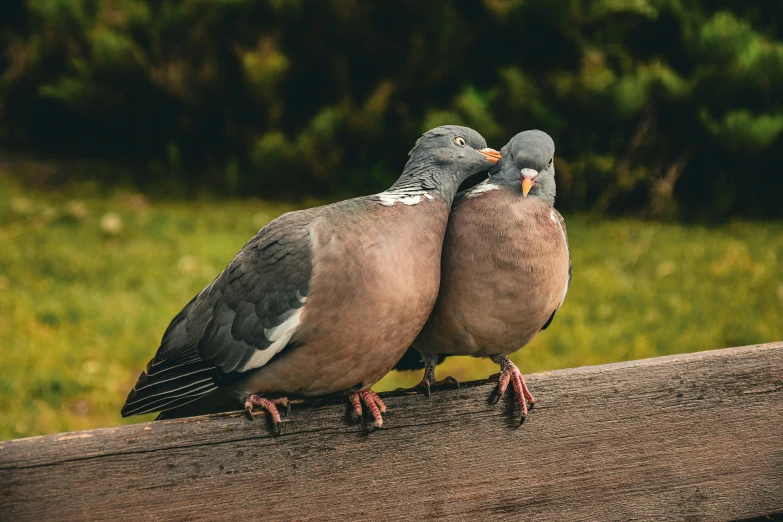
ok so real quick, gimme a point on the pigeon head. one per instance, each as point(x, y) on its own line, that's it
point(527, 165)
point(453, 146)
point(443, 158)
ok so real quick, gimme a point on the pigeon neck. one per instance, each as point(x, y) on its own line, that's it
point(546, 190)
point(420, 178)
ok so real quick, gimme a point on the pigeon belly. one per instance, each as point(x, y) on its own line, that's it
point(505, 271)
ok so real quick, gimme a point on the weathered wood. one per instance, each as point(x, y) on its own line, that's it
point(696, 436)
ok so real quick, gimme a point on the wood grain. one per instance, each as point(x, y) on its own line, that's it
point(685, 437)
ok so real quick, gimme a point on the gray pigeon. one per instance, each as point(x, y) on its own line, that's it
point(319, 301)
point(506, 267)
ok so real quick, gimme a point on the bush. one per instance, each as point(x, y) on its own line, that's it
point(658, 107)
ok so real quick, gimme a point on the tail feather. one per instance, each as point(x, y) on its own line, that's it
point(173, 389)
point(170, 384)
point(211, 403)
point(151, 404)
point(171, 380)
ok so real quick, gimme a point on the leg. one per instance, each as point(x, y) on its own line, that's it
point(428, 381)
point(373, 403)
point(430, 361)
point(270, 406)
point(510, 373)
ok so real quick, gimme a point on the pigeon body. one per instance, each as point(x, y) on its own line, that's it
point(321, 300)
point(506, 265)
point(383, 299)
point(500, 286)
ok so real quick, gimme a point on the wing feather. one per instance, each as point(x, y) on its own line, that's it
point(238, 323)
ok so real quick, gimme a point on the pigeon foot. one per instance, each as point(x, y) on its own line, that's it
point(510, 374)
point(270, 406)
point(373, 403)
point(447, 383)
point(428, 382)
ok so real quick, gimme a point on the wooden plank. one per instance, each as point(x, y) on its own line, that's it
point(696, 436)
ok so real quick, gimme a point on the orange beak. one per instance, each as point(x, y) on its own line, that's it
point(527, 184)
point(529, 177)
point(491, 154)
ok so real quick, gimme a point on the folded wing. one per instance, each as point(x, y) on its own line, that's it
point(238, 323)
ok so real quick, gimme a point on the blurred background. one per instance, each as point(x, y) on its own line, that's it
point(142, 142)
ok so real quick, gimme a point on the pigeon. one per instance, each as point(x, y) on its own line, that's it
point(506, 268)
point(320, 301)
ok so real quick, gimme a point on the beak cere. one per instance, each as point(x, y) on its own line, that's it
point(528, 180)
point(491, 154)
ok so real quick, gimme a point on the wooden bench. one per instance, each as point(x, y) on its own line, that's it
point(696, 437)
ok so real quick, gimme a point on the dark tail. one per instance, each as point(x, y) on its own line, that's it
point(167, 385)
point(211, 403)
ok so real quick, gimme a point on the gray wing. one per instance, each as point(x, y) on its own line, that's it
point(261, 296)
point(247, 315)
point(561, 223)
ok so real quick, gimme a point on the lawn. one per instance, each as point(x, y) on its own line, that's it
point(89, 283)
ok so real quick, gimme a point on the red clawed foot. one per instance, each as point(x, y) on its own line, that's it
point(510, 373)
point(270, 406)
point(373, 403)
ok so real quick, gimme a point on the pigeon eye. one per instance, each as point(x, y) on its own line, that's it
point(459, 140)
point(551, 160)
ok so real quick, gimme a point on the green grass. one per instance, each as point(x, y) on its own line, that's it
point(83, 309)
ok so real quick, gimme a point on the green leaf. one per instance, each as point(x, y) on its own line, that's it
point(739, 129)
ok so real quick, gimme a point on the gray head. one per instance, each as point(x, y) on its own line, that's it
point(527, 166)
point(443, 158)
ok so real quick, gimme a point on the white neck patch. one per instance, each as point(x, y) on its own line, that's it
point(484, 186)
point(409, 198)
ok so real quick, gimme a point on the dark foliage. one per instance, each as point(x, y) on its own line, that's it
point(659, 107)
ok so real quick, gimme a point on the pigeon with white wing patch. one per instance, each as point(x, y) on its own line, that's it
point(319, 301)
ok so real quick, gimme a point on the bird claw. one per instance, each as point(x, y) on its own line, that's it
point(447, 383)
point(427, 387)
point(511, 374)
point(253, 400)
point(451, 381)
point(422, 387)
point(428, 379)
point(373, 402)
point(285, 403)
point(428, 383)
